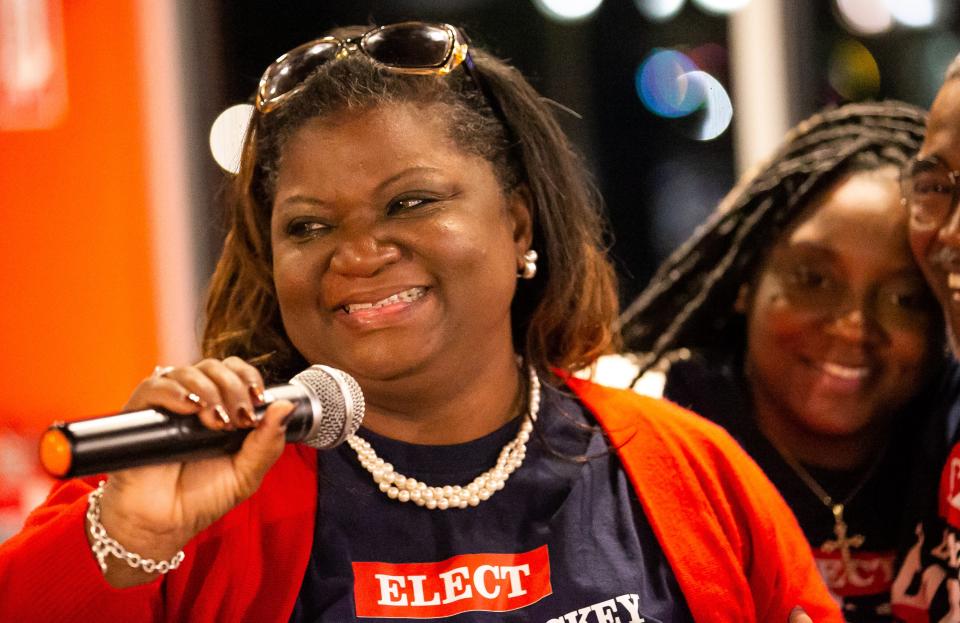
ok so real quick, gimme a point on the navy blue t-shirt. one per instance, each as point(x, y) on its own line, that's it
point(564, 541)
point(883, 508)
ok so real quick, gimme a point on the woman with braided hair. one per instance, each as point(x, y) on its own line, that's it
point(797, 319)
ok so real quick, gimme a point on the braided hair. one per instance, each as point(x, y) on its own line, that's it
point(689, 303)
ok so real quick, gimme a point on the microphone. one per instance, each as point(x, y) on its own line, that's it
point(328, 408)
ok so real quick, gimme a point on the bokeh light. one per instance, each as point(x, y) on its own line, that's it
point(659, 10)
point(567, 10)
point(914, 13)
point(710, 57)
point(226, 136)
point(714, 115)
point(660, 85)
point(852, 71)
point(722, 7)
point(865, 17)
point(671, 85)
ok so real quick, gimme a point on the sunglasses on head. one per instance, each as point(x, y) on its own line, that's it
point(407, 47)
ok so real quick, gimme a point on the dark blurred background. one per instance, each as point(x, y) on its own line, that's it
point(659, 181)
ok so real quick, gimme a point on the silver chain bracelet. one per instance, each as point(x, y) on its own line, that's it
point(103, 544)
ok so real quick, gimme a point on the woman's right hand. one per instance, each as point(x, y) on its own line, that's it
point(155, 510)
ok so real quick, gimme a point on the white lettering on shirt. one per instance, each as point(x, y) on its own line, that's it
point(480, 583)
point(453, 587)
point(516, 584)
point(418, 598)
point(606, 612)
point(390, 586)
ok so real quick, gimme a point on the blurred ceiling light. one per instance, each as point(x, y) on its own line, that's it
point(661, 87)
point(710, 57)
point(33, 83)
point(567, 10)
point(722, 7)
point(671, 85)
point(866, 17)
point(853, 72)
point(716, 110)
point(914, 13)
point(227, 134)
point(659, 10)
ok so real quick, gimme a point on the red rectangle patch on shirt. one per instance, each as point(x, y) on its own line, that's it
point(470, 582)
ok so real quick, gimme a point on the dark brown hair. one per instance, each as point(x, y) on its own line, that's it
point(562, 319)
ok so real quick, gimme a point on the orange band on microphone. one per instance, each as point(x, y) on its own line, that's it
point(55, 455)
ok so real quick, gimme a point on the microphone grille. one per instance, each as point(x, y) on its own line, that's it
point(341, 404)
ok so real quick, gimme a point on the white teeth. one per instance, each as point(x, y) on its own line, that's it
point(845, 372)
point(953, 280)
point(407, 296)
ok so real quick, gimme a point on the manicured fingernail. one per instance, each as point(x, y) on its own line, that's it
point(256, 393)
point(222, 414)
point(195, 399)
point(243, 415)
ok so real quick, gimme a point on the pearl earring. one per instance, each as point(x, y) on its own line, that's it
point(529, 269)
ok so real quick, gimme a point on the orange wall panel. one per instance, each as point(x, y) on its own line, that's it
point(77, 320)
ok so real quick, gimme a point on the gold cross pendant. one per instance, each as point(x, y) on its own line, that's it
point(842, 543)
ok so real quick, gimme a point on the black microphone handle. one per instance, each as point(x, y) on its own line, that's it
point(152, 436)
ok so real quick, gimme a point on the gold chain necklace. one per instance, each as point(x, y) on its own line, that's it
point(842, 542)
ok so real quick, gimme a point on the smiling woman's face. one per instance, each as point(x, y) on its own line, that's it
point(840, 325)
point(395, 253)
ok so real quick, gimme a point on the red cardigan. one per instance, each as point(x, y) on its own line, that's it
point(732, 543)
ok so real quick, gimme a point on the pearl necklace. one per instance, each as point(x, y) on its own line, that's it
point(404, 489)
